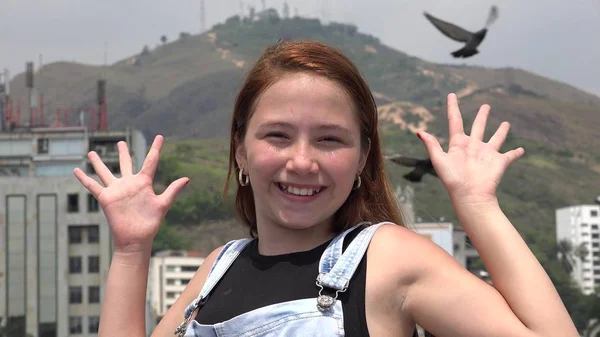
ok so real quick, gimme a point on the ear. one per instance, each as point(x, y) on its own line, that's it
point(240, 156)
point(364, 154)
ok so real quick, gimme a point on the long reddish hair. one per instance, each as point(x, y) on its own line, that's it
point(374, 200)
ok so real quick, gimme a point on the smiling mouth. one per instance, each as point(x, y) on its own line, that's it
point(303, 192)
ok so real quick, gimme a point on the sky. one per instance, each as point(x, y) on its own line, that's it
point(556, 39)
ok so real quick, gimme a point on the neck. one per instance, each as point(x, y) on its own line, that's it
point(275, 239)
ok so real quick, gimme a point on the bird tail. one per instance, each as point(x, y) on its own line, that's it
point(413, 176)
point(465, 52)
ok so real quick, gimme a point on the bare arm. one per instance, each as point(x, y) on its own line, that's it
point(123, 307)
point(449, 301)
point(445, 298)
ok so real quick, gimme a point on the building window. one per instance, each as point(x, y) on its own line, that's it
point(93, 234)
point(42, 145)
point(75, 234)
point(94, 294)
point(75, 264)
point(75, 325)
point(93, 264)
point(93, 205)
point(75, 295)
point(595, 244)
point(594, 227)
point(189, 268)
point(185, 280)
point(468, 242)
point(170, 268)
point(595, 236)
point(93, 323)
point(593, 213)
point(170, 281)
point(596, 253)
point(72, 203)
point(171, 294)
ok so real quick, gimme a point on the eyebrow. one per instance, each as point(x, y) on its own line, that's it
point(285, 125)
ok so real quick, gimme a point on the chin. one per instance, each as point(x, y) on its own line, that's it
point(300, 222)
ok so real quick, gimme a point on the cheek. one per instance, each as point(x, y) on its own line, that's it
point(342, 166)
point(264, 161)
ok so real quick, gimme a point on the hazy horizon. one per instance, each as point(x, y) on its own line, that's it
point(555, 40)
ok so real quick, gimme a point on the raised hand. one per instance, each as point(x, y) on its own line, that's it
point(471, 169)
point(134, 212)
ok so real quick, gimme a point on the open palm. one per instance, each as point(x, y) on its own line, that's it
point(134, 212)
point(471, 169)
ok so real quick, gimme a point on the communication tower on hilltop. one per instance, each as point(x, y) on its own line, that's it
point(202, 17)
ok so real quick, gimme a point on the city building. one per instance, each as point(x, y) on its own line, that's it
point(170, 272)
point(580, 225)
point(439, 232)
point(55, 244)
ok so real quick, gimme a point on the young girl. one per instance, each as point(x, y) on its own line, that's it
point(329, 255)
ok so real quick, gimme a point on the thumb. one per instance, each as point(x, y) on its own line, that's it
point(431, 143)
point(169, 195)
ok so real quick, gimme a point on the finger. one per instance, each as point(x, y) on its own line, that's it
point(498, 138)
point(431, 143)
point(89, 183)
point(478, 129)
point(124, 159)
point(515, 154)
point(455, 122)
point(169, 195)
point(101, 170)
point(151, 161)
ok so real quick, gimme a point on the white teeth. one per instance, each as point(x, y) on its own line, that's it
point(299, 191)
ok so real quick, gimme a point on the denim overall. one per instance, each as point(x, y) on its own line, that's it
point(321, 315)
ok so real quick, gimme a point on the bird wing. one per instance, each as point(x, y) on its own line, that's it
point(450, 30)
point(402, 160)
point(492, 16)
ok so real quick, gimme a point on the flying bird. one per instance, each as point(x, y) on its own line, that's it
point(421, 166)
point(471, 39)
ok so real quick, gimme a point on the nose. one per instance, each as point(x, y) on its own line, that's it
point(302, 160)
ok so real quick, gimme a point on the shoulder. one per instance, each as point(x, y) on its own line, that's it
point(404, 254)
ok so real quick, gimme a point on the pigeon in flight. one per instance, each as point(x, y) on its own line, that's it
point(471, 40)
point(421, 166)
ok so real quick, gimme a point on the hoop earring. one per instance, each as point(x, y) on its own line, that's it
point(357, 182)
point(243, 180)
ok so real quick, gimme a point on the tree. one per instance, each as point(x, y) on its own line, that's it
point(163, 39)
point(581, 252)
point(145, 51)
point(565, 255)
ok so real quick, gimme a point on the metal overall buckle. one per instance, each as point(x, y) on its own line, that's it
point(325, 302)
point(182, 328)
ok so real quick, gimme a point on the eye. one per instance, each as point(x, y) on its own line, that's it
point(330, 139)
point(276, 135)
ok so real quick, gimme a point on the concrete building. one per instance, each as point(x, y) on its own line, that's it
point(464, 251)
point(439, 232)
point(55, 244)
point(170, 272)
point(580, 225)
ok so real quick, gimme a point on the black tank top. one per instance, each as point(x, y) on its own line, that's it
point(254, 281)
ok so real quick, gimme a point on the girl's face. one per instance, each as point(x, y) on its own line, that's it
point(302, 152)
